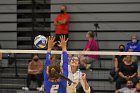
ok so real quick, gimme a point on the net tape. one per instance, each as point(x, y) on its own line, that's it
point(71, 52)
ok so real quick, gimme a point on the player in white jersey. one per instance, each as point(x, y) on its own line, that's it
point(77, 76)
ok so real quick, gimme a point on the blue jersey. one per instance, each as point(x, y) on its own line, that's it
point(57, 87)
point(134, 47)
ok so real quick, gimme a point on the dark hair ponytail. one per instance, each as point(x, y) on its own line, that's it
point(54, 72)
point(65, 78)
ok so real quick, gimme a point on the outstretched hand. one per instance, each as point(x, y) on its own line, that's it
point(63, 43)
point(51, 43)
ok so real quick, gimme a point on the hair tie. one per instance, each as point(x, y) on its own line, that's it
point(53, 69)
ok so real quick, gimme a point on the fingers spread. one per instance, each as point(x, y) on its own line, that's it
point(53, 38)
point(60, 38)
point(67, 39)
point(49, 38)
point(59, 42)
point(63, 37)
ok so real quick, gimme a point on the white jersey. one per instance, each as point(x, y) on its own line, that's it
point(76, 77)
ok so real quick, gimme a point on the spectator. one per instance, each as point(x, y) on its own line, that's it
point(133, 45)
point(127, 70)
point(117, 61)
point(128, 89)
point(35, 72)
point(62, 23)
point(137, 89)
point(91, 45)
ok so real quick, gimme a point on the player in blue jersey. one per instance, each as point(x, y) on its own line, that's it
point(55, 76)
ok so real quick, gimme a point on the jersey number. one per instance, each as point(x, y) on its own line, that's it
point(54, 88)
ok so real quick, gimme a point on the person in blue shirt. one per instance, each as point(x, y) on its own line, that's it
point(133, 45)
point(55, 76)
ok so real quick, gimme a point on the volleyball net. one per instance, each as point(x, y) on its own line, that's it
point(14, 66)
point(70, 52)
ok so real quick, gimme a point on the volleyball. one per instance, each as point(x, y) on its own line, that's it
point(40, 41)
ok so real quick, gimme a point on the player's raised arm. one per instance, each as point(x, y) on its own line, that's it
point(84, 83)
point(63, 44)
point(51, 43)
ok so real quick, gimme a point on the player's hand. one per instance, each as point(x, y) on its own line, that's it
point(63, 43)
point(83, 76)
point(51, 42)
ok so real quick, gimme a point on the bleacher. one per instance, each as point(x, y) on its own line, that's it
point(118, 20)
